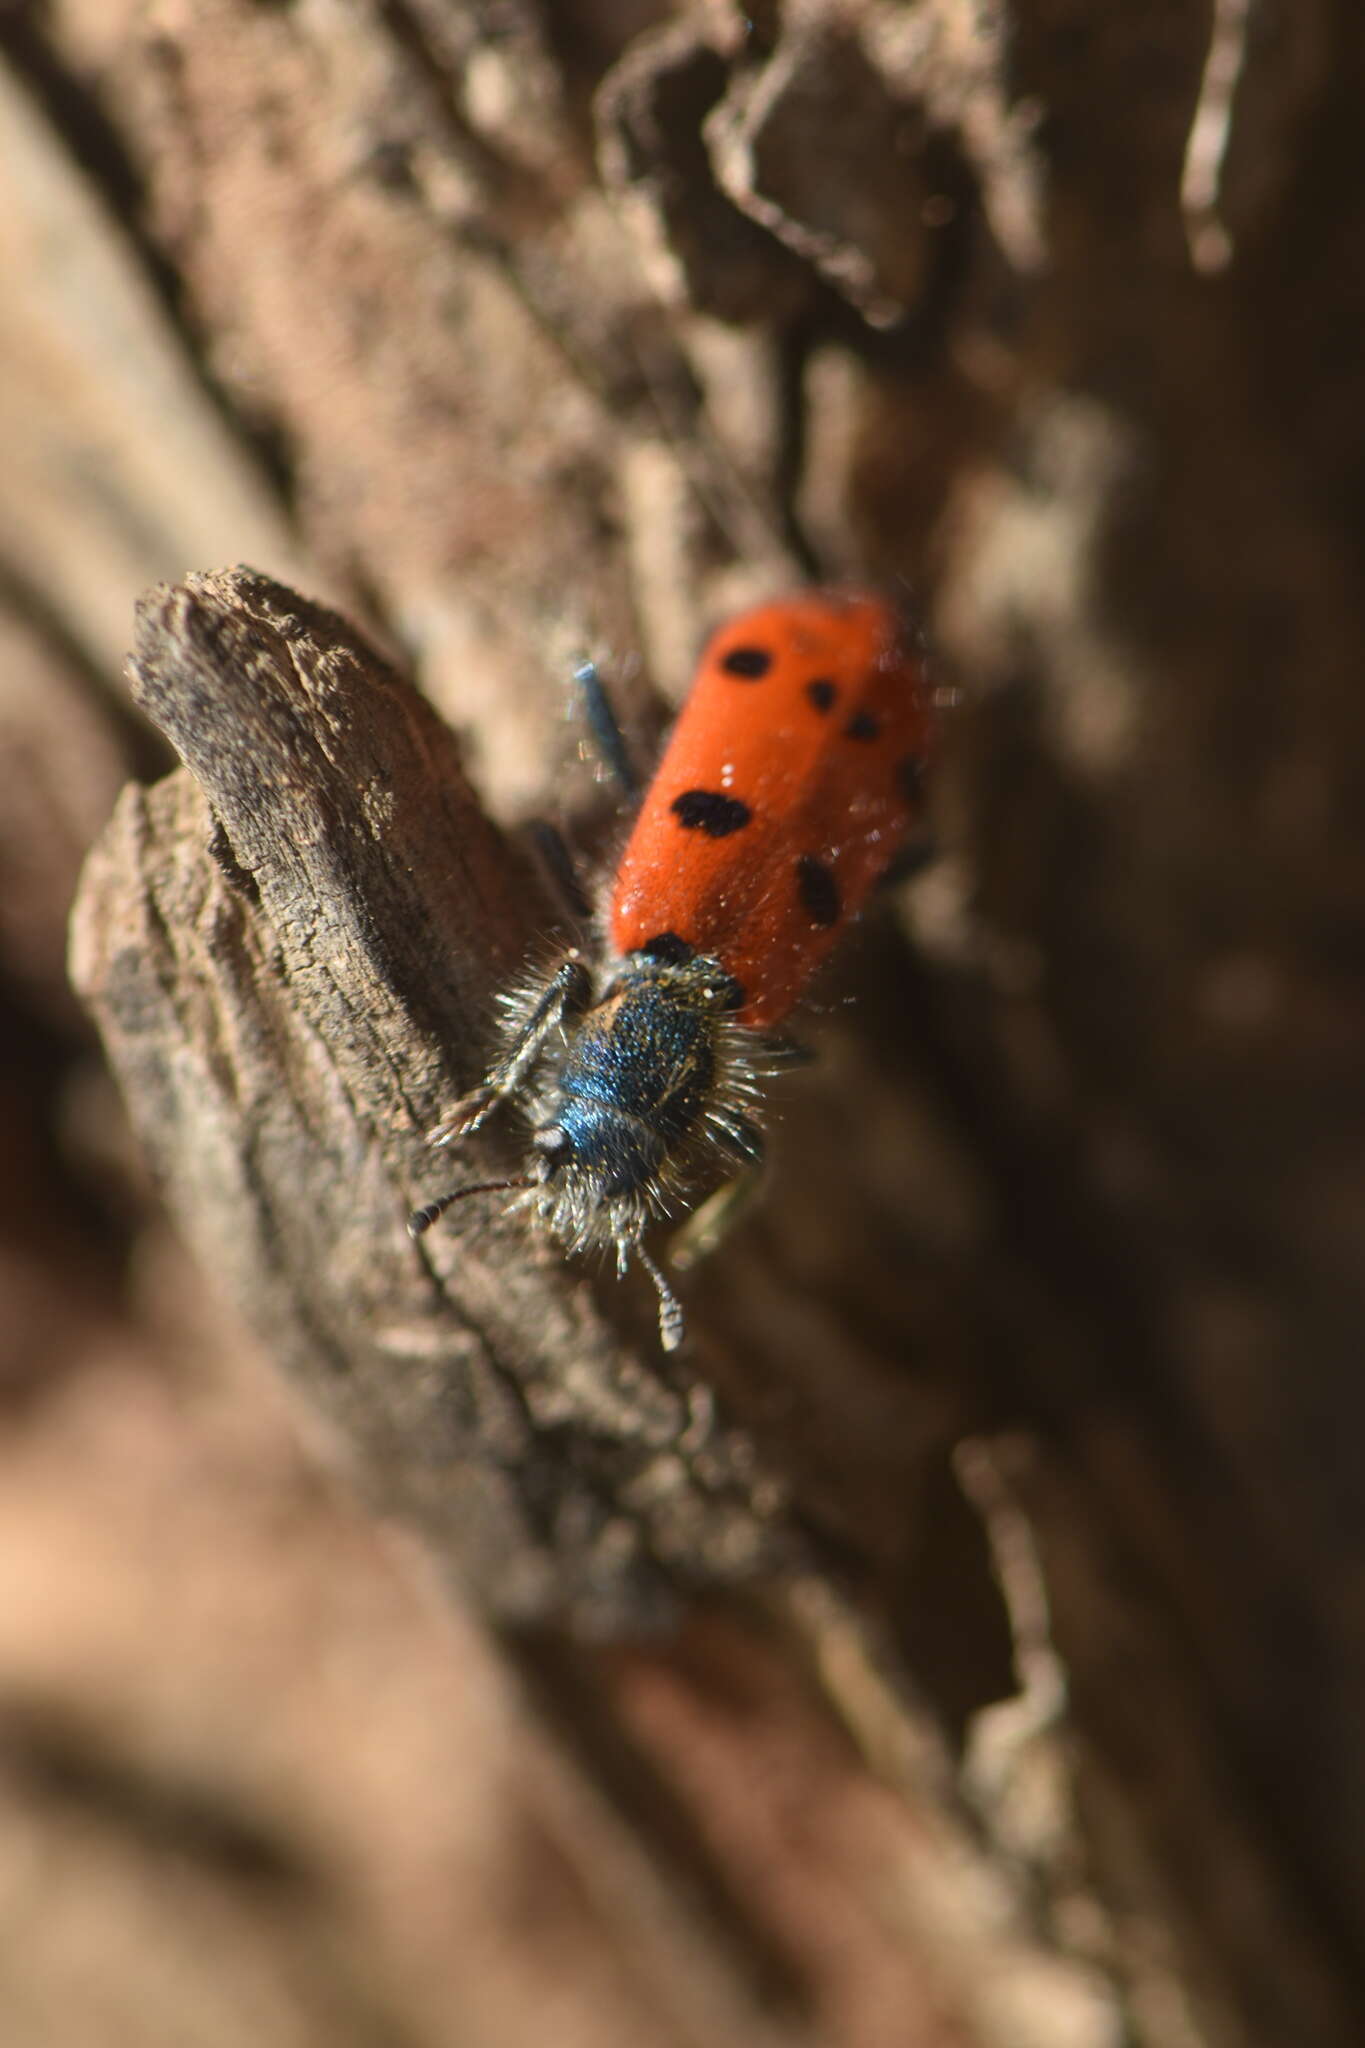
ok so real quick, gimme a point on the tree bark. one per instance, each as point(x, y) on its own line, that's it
point(956, 1642)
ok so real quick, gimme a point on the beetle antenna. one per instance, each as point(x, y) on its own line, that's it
point(421, 1220)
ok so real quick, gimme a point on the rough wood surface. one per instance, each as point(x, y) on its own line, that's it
point(290, 965)
point(986, 1660)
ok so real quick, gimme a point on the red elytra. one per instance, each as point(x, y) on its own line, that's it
point(789, 784)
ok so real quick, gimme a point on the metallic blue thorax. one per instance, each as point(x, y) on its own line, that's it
point(634, 1081)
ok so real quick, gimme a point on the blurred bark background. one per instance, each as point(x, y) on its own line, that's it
point(958, 1643)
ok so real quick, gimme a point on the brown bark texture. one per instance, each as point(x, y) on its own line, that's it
point(953, 1643)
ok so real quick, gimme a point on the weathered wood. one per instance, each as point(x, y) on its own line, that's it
point(291, 968)
point(574, 324)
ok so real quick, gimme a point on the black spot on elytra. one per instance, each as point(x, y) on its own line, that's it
point(822, 693)
point(668, 948)
point(748, 663)
point(706, 810)
point(910, 776)
point(862, 726)
point(818, 890)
